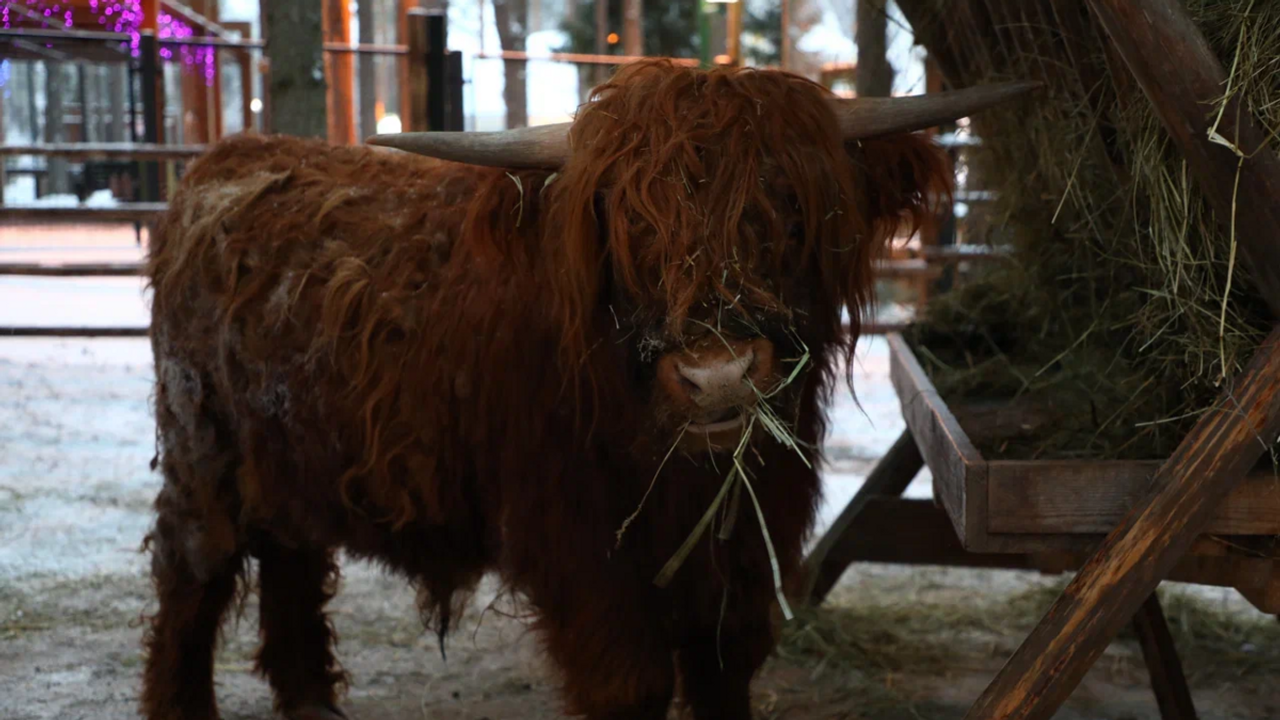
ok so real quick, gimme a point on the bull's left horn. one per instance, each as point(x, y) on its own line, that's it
point(872, 116)
point(538, 147)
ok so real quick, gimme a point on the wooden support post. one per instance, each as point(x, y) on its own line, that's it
point(340, 73)
point(1168, 682)
point(833, 553)
point(453, 81)
point(1214, 457)
point(415, 103)
point(152, 111)
point(437, 91)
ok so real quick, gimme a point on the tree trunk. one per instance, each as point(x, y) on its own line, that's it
point(633, 27)
point(875, 74)
point(297, 89)
point(54, 132)
point(512, 18)
point(368, 71)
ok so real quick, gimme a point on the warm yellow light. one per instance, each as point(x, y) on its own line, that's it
point(612, 38)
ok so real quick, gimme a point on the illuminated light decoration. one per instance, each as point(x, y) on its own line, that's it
point(124, 17)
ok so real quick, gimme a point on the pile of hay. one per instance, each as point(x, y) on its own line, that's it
point(1123, 307)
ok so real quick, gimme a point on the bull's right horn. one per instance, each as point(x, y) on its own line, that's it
point(539, 147)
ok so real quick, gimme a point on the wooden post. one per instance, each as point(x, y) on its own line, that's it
point(733, 33)
point(453, 82)
point(602, 33)
point(415, 104)
point(340, 72)
point(875, 74)
point(408, 76)
point(833, 553)
point(437, 60)
point(786, 35)
point(1168, 682)
point(1227, 441)
point(368, 73)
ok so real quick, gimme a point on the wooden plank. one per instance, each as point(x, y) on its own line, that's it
point(1168, 682)
point(1264, 595)
point(340, 73)
point(125, 269)
point(959, 472)
point(124, 212)
point(1093, 497)
point(1181, 76)
point(1222, 447)
point(917, 532)
point(889, 478)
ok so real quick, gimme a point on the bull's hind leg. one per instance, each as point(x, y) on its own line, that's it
point(193, 596)
point(297, 641)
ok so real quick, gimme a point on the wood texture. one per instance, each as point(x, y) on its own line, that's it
point(1168, 682)
point(1093, 497)
point(889, 478)
point(80, 152)
point(124, 212)
point(1221, 448)
point(35, 331)
point(959, 472)
point(126, 269)
point(917, 532)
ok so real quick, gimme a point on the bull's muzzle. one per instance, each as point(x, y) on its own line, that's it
point(714, 383)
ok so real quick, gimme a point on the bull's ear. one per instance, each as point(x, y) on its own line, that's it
point(905, 179)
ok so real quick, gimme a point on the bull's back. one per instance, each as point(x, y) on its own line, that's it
point(291, 280)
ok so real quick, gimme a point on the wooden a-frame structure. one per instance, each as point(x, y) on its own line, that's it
point(1172, 63)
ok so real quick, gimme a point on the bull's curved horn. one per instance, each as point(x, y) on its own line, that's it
point(869, 117)
point(538, 147)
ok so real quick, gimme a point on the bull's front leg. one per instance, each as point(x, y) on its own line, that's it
point(718, 657)
point(613, 647)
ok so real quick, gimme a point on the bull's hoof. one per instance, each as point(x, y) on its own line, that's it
point(316, 712)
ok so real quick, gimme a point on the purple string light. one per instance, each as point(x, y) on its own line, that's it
point(124, 17)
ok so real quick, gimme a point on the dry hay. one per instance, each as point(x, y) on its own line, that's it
point(884, 649)
point(1124, 306)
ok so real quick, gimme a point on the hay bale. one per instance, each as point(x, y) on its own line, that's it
point(1123, 307)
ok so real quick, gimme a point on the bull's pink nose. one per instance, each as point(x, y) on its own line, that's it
point(718, 385)
point(708, 380)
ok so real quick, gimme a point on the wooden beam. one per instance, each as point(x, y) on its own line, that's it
point(1221, 448)
point(1180, 75)
point(124, 212)
point(80, 152)
point(34, 331)
point(1168, 682)
point(125, 269)
point(340, 73)
point(831, 556)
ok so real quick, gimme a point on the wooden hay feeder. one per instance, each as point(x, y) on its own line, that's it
point(1058, 510)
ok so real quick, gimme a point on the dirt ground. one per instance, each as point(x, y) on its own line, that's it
point(894, 642)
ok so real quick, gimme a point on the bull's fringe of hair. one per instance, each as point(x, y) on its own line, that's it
point(683, 162)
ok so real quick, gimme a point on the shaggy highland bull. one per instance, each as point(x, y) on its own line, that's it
point(540, 357)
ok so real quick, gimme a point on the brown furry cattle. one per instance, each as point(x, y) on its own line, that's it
point(452, 369)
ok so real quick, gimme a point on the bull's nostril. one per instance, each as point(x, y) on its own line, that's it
point(689, 386)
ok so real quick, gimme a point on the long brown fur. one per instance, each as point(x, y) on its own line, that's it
point(396, 356)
